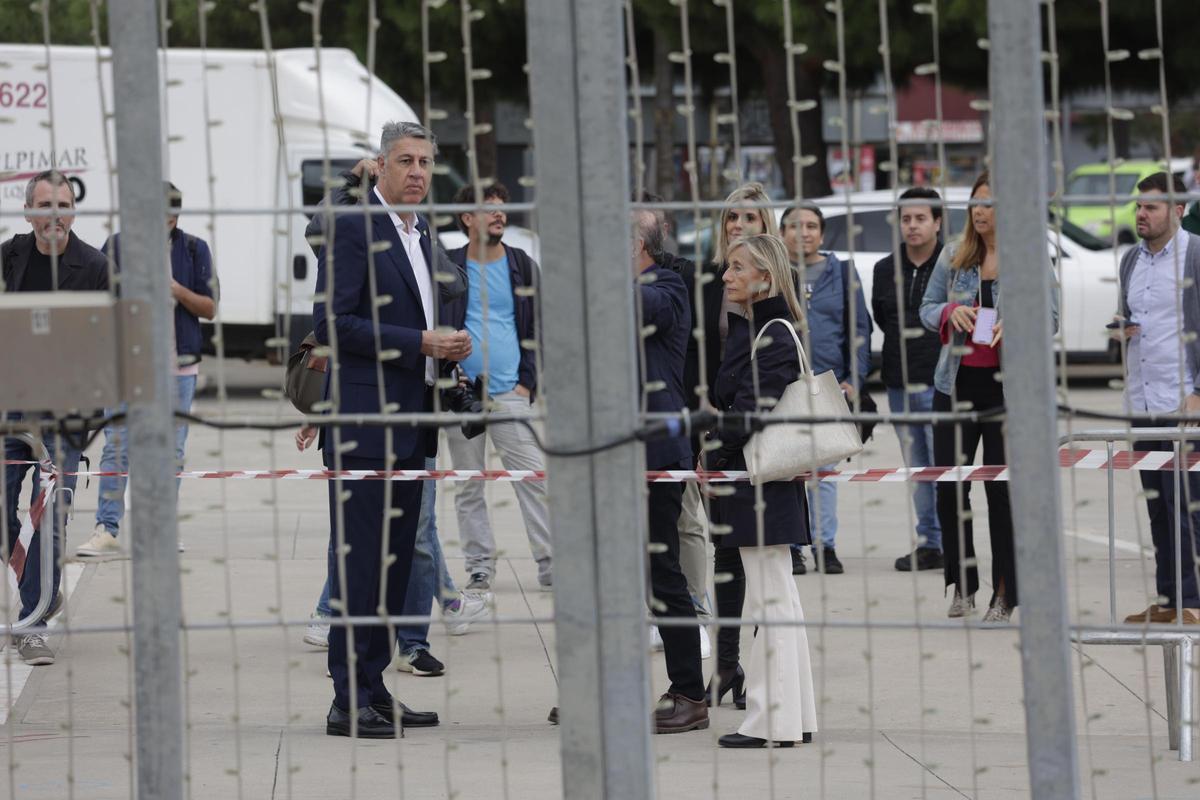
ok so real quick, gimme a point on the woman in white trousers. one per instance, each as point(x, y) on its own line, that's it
point(764, 521)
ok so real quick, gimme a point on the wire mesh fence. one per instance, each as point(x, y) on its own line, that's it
point(545, 320)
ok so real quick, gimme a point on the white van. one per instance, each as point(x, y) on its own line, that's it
point(266, 269)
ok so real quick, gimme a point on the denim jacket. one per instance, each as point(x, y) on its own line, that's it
point(948, 285)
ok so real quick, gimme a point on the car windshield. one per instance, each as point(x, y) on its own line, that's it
point(1078, 234)
point(1097, 184)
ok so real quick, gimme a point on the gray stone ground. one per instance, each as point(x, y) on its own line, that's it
point(903, 713)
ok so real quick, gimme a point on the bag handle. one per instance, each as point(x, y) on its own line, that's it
point(792, 330)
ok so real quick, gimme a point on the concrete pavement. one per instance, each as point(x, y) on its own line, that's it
point(905, 712)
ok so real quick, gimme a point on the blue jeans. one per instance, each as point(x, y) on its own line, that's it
point(68, 461)
point(110, 508)
point(916, 445)
point(824, 527)
point(429, 576)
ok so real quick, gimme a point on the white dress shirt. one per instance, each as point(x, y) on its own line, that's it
point(410, 237)
point(1157, 356)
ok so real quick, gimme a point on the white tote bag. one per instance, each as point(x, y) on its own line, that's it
point(784, 450)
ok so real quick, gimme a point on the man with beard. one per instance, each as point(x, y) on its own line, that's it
point(499, 311)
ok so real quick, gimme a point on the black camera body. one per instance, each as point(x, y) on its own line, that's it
point(467, 398)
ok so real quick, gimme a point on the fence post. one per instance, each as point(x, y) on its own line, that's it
point(597, 508)
point(1019, 188)
point(145, 282)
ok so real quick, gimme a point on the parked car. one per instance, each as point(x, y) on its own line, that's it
point(1099, 219)
point(1086, 265)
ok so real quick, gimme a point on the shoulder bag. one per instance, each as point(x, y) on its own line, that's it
point(787, 449)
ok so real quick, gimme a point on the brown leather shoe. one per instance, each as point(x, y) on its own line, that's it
point(1191, 616)
point(1154, 613)
point(676, 714)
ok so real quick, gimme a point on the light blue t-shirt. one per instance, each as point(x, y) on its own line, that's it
point(503, 346)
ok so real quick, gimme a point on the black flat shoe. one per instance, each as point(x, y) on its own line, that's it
point(728, 680)
point(370, 723)
point(552, 717)
point(740, 741)
point(408, 717)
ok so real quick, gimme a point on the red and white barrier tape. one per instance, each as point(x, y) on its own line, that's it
point(1153, 460)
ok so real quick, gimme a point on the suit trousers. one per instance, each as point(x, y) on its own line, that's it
point(780, 702)
point(368, 583)
point(681, 645)
point(1163, 533)
point(693, 546)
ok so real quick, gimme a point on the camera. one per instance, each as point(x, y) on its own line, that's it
point(466, 398)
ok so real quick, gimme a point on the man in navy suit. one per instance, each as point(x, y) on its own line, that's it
point(376, 309)
point(663, 303)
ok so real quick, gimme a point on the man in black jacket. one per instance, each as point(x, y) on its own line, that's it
point(49, 258)
point(908, 373)
point(663, 305)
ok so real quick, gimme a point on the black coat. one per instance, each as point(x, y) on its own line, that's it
point(81, 267)
point(785, 518)
point(924, 350)
point(665, 306)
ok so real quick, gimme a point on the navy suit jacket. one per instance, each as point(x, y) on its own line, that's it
point(665, 306)
point(401, 323)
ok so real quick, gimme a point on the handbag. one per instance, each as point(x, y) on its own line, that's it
point(787, 449)
point(305, 376)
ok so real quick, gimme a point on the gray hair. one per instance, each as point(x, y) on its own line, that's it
point(395, 131)
point(646, 226)
point(53, 177)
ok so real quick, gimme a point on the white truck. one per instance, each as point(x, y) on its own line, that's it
point(242, 139)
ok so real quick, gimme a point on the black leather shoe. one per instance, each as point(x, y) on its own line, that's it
point(408, 717)
point(371, 724)
point(924, 557)
point(728, 680)
point(828, 562)
point(552, 717)
point(740, 741)
point(798, 565)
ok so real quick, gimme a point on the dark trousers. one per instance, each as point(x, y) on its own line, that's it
point(978, 386)
point(1162, 529)
point(66, 458)
point(681, 645)
point(731, 595)
point(368, 582)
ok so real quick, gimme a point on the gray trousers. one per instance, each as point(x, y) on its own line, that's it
point(518, 450)
point(693, 546)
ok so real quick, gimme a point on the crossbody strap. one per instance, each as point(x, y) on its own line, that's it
point(792, 330)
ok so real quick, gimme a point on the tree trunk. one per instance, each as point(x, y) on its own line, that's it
point(663, 181)
point(808, 87)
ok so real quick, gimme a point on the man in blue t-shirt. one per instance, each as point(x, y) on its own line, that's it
point(499, 311)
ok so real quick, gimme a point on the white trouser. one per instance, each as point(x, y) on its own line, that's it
point(518, 451)
point(780, 704)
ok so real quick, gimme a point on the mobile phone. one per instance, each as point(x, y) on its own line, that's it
point(985, 323)
point(1116, 325)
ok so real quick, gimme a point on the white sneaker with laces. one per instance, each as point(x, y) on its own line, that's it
point(34, 649)
point(656, 642)
point(317, 632)
point(102, 544)
point(471, 607)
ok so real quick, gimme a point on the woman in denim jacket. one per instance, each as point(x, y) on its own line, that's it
point(965, 279)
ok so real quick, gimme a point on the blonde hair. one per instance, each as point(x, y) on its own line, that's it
point(973, 249)
point(769, 254)
point(753, 192)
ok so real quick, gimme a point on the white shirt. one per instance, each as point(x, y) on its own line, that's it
point(410, 237)
point(1157, 355)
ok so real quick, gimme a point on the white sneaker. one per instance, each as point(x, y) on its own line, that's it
point(102, 544)
point(705, 644)
point(472, 607)
point(656, 642)
point(317, 632)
